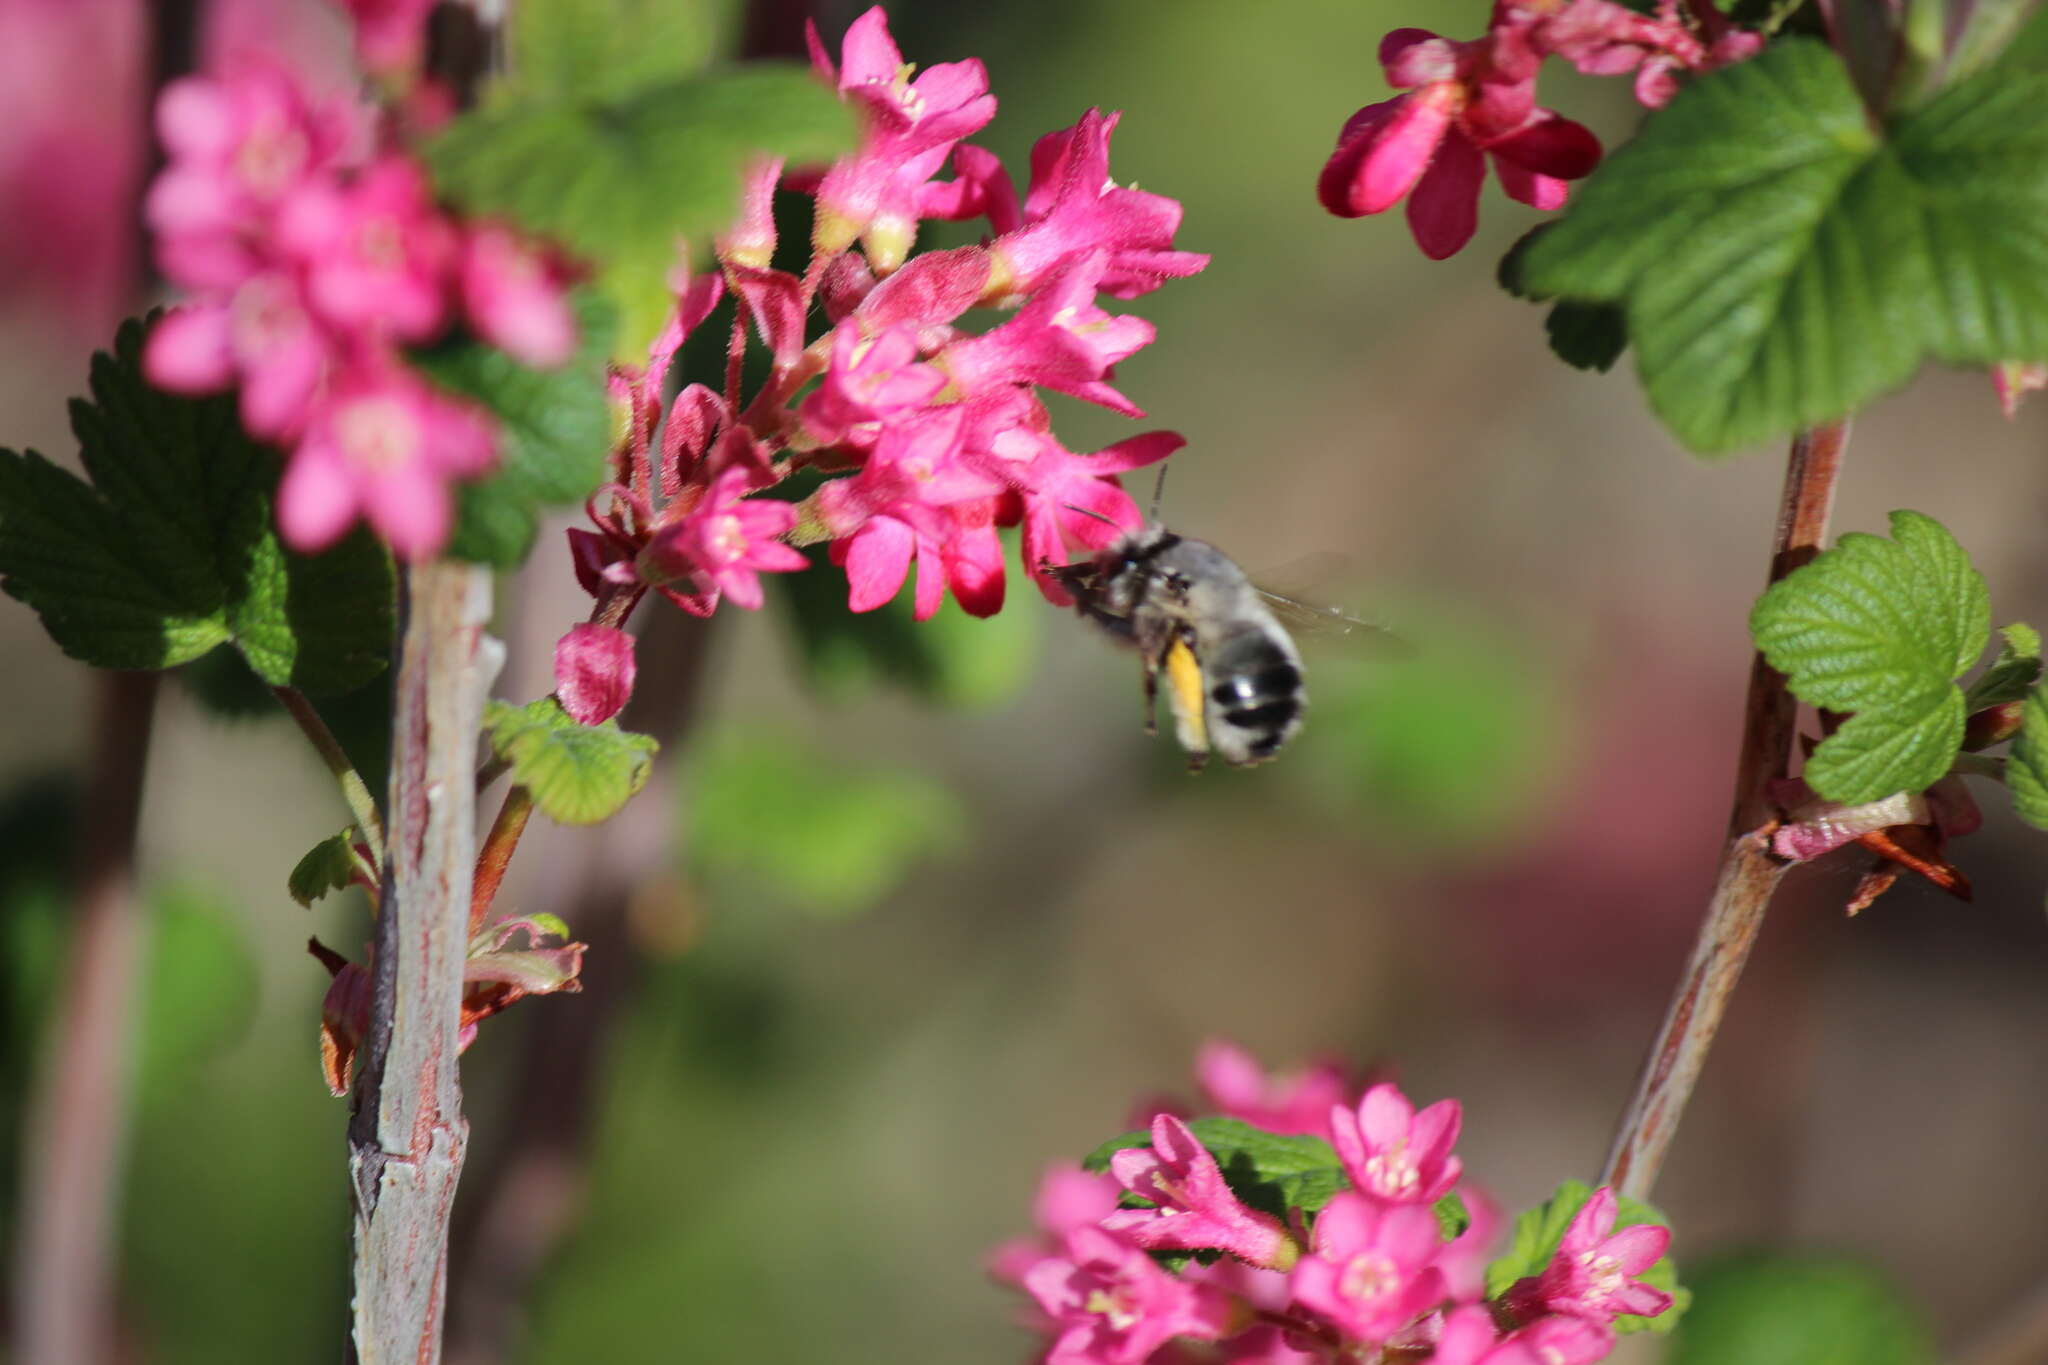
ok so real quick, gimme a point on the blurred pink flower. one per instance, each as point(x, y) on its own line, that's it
point(1233, 1082)
point(1194, 1208)
point(515, 293)
point(1370, 1272)
point(1113, 1305)
point(390, 34)
point(261, 335)
point(1465, 1257)
point(382, 445)
point(1068, 1198)
point(376, 253)
point(1391, 1151)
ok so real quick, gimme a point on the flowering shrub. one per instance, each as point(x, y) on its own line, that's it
point(1356, 1238)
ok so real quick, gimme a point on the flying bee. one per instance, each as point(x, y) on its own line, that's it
point(1233, 674)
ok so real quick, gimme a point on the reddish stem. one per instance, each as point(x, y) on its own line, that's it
point(496, 854)
point(1749, 871)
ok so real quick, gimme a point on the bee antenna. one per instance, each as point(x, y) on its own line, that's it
point(1158, 493)
point(1097, 515)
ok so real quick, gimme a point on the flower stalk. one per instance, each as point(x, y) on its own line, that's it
point(362, 805)
point(1750, 871)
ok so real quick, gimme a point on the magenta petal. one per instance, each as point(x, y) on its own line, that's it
point(1384, 1115)
point(877, 559)
point(1527, 187)
point(411, 508)
point(594, 669)
point(1550, 145)
point(190, 351)
point(316, 501)
point(1443, 213)
point(1639, 1247)
point(1388, 151)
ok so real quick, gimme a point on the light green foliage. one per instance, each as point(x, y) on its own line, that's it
point(620, 176)
point(2026, 769)
point(170, 550)
point(1782, 259)
point(1538, 1232)
point(581, 48)
point(578, 774)
point(2012, 674)
point(1781, 1309)
point(772, 812)
point(554, 427)
point(1880, 628)
point(328, 866)
point(1272, 1172)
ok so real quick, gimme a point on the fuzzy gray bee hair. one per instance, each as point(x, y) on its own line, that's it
point(1233, 673)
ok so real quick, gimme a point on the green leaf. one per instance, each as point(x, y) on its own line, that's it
point(578, 774)
point(1783, 259)
point(2012, 674)
point(1538, 1233)
point(564, 49)
point(554, 428)
point(170, 550)
point(1272, 1172)
point(1587, 336)
point(329, 865)
point(1775, 1308)
point(831, 839)
point(620, 177)
point(2026, 766)
point(1452, 1217)
point(1880, 628)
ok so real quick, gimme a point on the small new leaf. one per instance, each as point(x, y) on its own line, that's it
point(170, 549)
point(329, 865)
point(620, 177)
point(2012, 674)
point(2026, 767)
point(1272, 1172)
point(554, 427)
point(1774, 1308)
point(1538, 1233)
point(1880, 628)
point(578, 774)
point(1783, 257)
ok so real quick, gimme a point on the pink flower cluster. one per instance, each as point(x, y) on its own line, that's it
point(315, 255)
point(933, 433)
point(1368, 1276)
point(1468, 102)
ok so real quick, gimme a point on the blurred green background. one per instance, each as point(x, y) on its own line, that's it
point(867, 956)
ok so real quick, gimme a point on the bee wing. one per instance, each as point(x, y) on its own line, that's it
point(1304, 618)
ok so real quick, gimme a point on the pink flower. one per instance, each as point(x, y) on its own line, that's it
point(594, 670)
point(1393, 1152)
point(724, 543)
point(516, 295)
point(262, 335)
point(1053, 481)
point(1467, 1337)
point(1194, 1208)
point(237, 145)
point(376, 253)
point(908, 130)
point(1115, 1306)
point(1371, 1270)
point(1469, 101)
point(1596, 1269)
point(1561, 1340)
point(1465, 1257)
point(868, 382)
point(1602, 38)
point(1059, 340)
point(1074, 208)
point(390, 34)
point(1298, 1102)
point(1068, 1198)
point(382, 445)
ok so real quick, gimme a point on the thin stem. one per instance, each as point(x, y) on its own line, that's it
point(407, 1132)
point(353, 789)
point(78, 1114)
point(496, 854)
point(1749, 871)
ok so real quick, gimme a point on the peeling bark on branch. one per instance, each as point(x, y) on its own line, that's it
point(407, 1132)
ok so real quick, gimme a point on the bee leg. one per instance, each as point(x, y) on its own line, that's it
point(1197, 760)
point(1151, 697)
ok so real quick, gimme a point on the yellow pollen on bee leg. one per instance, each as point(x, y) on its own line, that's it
point(1184, 691)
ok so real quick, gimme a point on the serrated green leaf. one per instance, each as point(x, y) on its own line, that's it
point(329, 865)
point(554, 427)
point(1538, 1233)
point(578, 774)
point(1880, 628)
point(1587, 336)
point(2026, 765)
point(1776, 1308)
point(831, 839)
point(170, 550)
point(1272, 1172)
point(2012, 674)
point(620, 177)
point(1783, 259)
